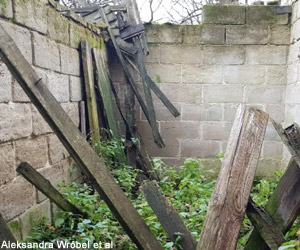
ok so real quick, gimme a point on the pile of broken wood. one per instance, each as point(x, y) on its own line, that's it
point(230, 200)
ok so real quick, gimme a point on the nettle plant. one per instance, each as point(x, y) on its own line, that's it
point(188, 187)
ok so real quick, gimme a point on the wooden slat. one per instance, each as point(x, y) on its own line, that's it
point(168, 216)
point(83, 154)
point(150, 107)
point(141, 155)
point(157, 91)
point(230, 197)
point(82, 118)
point(290, 136)
point(5, 233)
point(104, 88)
point(89, 82)
point(131, 151)
point(43, 185)
point(265, 225)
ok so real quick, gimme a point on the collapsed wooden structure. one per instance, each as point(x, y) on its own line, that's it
point(230, 200)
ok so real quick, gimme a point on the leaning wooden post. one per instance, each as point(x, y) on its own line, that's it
point(5, 234)
point(229, 200)
point(168, 216)
point(83, 154)
point(43, 185)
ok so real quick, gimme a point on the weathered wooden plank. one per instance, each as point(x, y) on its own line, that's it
point(290, 136)
point(142, 157)
point(131, 150)
point(82, 118)
point(265, 225)
point(230, 197)
point(83, 154)
point(5, 234)
point(150, 107)
point(168, 216)
point(104, 88)
point(89, 83)
point(284, 204)
point(157, 91)
point(43, 185)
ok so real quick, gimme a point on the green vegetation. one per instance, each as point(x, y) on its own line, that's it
point(188, 187)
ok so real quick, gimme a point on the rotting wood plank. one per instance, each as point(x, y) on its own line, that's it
point(141, 155)
point(265, 225)
point(230, 197)
point(5, 234)
point(290, 136)
point(82, 118)
point(89, 83)
point(150, 107)
point(104, 88)
point(168, 216)
point(284, 204)
point(173, 110)
point(43, 185)
point(83, 154)
point(131, 150)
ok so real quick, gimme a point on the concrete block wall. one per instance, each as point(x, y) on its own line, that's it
point(50, 43)
point(292, 102)
point(239, 54)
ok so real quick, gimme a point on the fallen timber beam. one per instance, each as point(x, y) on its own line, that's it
point(83, 154)
point(168, 216)
point(265, 225)
point(5, 234)
point(284, 204)
point(230, 197)
point(43, 185)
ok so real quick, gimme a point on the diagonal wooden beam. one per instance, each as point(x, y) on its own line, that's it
point(43, 185)
point(284, 204)
point(265, 225)
point(5, 234)
point(168, 216)
point(230, 197)
point(83, 154)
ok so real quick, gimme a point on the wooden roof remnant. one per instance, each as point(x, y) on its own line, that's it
point(127, 36)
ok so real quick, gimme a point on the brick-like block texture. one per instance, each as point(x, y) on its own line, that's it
point(16, 197)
